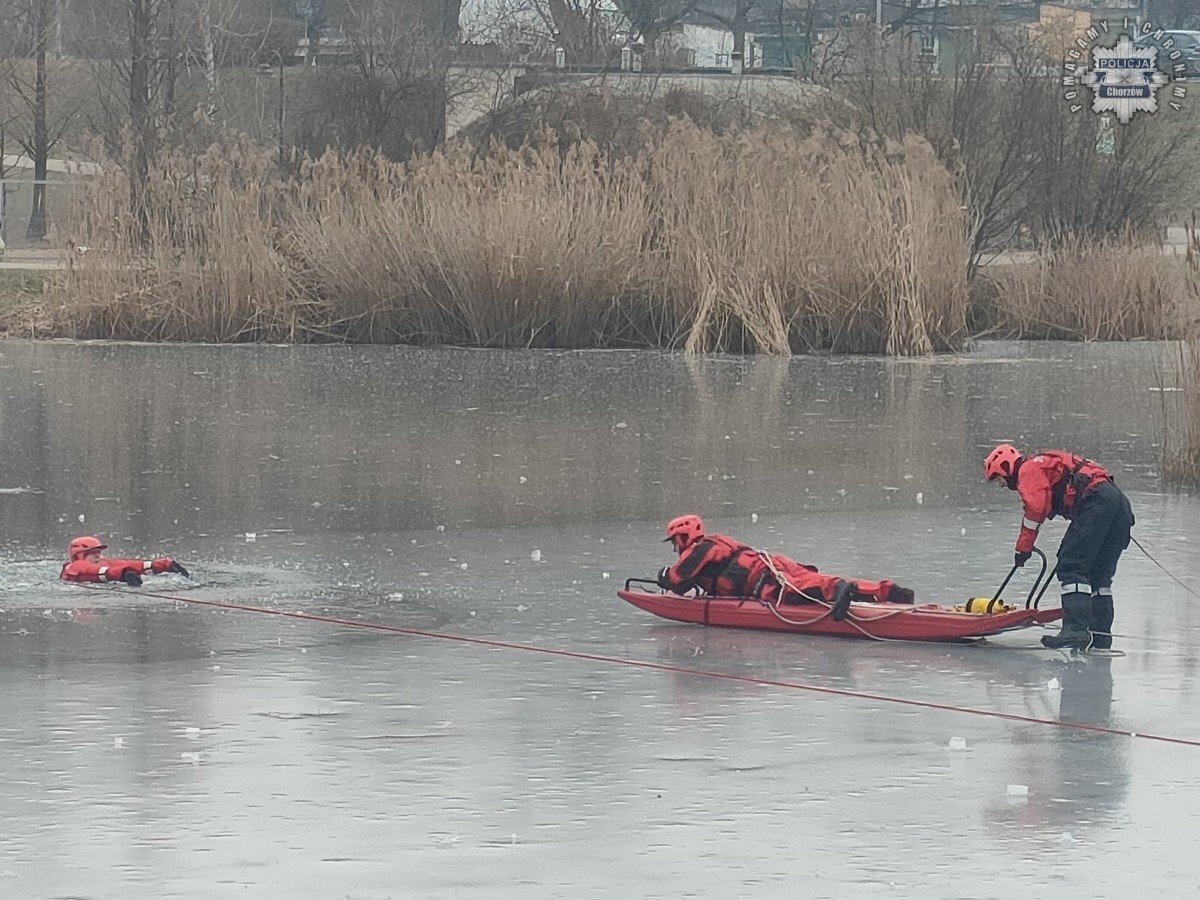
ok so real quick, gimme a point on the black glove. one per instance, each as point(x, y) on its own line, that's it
point(663, 580)
point(178, 569)
point(131, 578)
point(1021, 557)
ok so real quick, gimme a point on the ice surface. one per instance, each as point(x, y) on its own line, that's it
point(339, 762)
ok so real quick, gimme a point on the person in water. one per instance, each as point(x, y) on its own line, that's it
point(85, 564)
point(723, 567)
point(1057, 483)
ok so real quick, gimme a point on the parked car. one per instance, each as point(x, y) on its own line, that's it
point(1187, 42)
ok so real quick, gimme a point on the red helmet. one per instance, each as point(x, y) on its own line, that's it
point(83, 547)
point(683, 531)
point(1001, 462)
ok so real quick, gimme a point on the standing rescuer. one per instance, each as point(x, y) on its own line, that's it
point(84, 563)
point(1056, 483)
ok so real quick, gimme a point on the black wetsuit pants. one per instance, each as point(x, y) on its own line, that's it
point(1096, 538)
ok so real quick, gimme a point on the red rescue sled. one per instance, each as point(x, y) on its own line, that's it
point(873, 621)
point(879, 621)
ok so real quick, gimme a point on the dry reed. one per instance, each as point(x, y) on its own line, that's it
point(1181, 443)
point(1181, 446)
point(1090, 291)
point(752, 241)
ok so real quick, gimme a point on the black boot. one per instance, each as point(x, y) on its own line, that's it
point(1077, 614)
point(1101, 621)
point(843, 593)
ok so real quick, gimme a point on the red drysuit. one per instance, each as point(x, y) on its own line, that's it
point(722, 567)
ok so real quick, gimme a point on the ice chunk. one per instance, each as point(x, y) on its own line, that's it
point(1054, 685)
point(463, 566)
point(193, 758)
point(1018, 790)
point(920, 498)
point(81, 518)
point(963, 532)
point(251, 537)
point(753, 517)
point(603, 575)
point(216, 668)
point(118, 742)
point(958, 743)
point(521, 607)
point(536, 555)
point(440, 528)
point(192, 731)
point(1066, 838)
point(523, 479)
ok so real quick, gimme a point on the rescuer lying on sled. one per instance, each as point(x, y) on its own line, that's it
point(86, 564)
point(1056, 483)
point(723, 567)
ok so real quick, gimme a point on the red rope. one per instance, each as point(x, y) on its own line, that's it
point(668, 667)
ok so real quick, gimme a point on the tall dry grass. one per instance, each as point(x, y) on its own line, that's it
point(1181, 446)
point(519, 248)
point(206, 264)
point(752, 241)
point(1181, 443)
point(772, 243)
point(1090, 291)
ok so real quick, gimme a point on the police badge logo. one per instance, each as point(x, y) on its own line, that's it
point(1125, 77)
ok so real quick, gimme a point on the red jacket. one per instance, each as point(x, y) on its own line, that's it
point(1050, 483)
point(718, 565)
point(103, 569)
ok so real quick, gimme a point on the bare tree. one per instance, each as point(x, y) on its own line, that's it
point(1028, 168)
point(143, 15)
point(390, 90)
point(1173, 13)
point(39, 147)
point(36, 132)
point(651, 19)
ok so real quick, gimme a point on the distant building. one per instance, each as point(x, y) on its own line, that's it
point(328, 49)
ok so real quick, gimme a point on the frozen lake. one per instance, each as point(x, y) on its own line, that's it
point(155, 749)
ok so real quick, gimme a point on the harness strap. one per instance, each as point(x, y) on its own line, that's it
point(1073, 478)
point(763, 578)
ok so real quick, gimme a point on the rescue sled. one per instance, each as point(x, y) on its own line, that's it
point(977, 618)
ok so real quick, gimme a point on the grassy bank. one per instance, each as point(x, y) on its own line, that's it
point(1181, 444)
point(22, 303)
point(751, 241)
point(1181, 449)
point(1086, 291)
